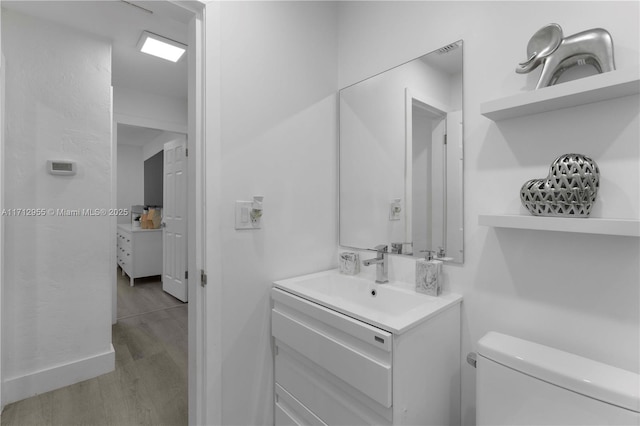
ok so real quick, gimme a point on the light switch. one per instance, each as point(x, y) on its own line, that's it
point(243, 219)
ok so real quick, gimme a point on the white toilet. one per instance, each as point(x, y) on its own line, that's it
point(524, 383)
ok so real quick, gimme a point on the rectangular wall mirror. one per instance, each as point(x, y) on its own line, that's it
point(401, 158)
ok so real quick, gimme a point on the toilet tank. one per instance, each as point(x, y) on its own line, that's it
point(523, 383)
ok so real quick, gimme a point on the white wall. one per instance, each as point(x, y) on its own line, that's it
point(576, 292)
point(278, 82)
point(151, 110)
point(130, 178)
point(155, 146)
point(57, 318)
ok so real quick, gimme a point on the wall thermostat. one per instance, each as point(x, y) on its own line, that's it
point(61, 167)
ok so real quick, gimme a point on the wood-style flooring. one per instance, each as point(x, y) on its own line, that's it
point(149, 384)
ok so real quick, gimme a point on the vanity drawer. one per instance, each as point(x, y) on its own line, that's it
point(331, 399)
point(375, 339)
point(357, 353)
point(289, 411)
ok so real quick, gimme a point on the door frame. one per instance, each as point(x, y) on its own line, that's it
point(203, 195)
point(204, 360)
point(203, 406)
point(438, 110)
point(129, 120)
point(206, 368)
point(2, 70)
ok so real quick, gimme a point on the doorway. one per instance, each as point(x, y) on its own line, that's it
point(163, 8)
point(151, 174)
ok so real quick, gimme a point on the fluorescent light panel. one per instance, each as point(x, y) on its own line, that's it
point(162, 47)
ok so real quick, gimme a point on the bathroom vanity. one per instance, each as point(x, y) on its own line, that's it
point(139, 251)
point(349, 351)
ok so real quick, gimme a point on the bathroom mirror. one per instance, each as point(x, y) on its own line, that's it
point(401, 146)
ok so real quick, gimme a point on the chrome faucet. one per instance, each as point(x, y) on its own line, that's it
point(380, 261)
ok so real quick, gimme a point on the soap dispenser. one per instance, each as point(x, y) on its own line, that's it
point(428, 275)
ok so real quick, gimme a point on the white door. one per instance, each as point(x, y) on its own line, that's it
point(174, 217)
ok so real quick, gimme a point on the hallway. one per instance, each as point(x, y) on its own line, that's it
point(149, 384)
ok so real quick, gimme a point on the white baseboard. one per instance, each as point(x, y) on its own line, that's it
point(17, 388)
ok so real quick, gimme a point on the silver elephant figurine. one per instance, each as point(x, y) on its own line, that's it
point(556, 54)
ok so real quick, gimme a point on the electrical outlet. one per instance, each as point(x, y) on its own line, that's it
point(395, 209)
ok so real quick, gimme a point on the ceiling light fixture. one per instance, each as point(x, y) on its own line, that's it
point(162, 47)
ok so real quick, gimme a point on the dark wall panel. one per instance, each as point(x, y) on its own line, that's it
point(153, 177)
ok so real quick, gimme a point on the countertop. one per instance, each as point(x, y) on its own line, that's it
point(128, 228)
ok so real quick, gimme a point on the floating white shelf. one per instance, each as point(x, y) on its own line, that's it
point(591, 225)
point(600, 87)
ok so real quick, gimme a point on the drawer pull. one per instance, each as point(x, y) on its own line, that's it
point(379, 339)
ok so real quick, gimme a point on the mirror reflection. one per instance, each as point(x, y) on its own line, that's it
point(401, 146)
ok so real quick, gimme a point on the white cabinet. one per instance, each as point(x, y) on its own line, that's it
point(333, 369)
point(139, 252)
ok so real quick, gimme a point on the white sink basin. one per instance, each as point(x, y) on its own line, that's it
point(393, 306)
